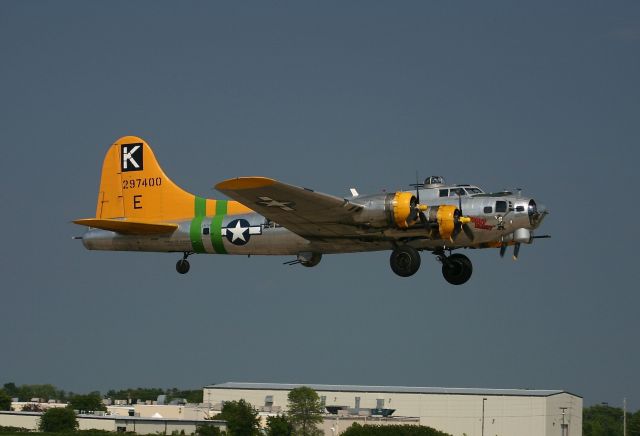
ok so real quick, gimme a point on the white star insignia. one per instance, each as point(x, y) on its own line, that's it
point(237, 232)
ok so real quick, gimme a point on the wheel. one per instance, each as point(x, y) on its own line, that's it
point(405, 261)
point(182, 266)
point(457, 269)
point(313, 260)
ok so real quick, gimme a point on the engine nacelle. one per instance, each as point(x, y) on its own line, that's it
point(397, 210)
point(400, 210)
point(444, 218)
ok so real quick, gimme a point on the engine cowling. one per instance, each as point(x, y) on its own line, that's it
point(403, 208)
point(444, 218)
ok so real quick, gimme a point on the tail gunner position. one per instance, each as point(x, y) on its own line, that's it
point(140, 209)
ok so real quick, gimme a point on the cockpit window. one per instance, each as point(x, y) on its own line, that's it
point(501, 206)
point(474, 190)
point(444, 193)
point(457, 191)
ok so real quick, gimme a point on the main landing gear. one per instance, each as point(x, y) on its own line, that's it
point(456, 268)
point(182, 266)
point(405, 260)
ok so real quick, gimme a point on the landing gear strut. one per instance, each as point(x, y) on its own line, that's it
point(405, 260)
point(182, 266)
point(456, 268)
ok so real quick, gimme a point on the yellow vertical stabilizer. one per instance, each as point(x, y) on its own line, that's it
point(134, 187)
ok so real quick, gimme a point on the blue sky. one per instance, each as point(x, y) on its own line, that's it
point(540, 96)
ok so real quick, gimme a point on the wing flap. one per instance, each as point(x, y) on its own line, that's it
point(128, 227)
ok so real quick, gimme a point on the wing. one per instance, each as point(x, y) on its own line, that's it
point(305, 212)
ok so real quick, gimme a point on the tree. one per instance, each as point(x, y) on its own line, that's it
point(279, 425)
point(58, 419)
point(602, 420)
point(45, 392)
point(144, 394)
point(5, 400)
point(633, 428)
point(207, 430)
point(11, 389)
point(87, 403)
point(305, 411)
point(391, 430)
point(242, 418)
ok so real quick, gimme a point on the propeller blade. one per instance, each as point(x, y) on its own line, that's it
point(423, 219)
point(516, 250)
point(468, 231)
point(503, 249)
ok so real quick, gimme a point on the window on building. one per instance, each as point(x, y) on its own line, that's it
point(268, 400)
point(380, 403)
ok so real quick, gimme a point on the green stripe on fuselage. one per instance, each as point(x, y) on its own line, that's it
point(216, 227)
point(195, 230)
point(200, 206)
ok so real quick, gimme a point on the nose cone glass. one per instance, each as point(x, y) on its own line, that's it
point(536, 213)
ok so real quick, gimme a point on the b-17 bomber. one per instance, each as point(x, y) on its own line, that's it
point(140, 209)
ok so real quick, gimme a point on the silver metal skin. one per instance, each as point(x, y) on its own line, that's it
point(496, 218)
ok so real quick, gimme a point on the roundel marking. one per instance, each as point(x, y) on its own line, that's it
point(237, 231)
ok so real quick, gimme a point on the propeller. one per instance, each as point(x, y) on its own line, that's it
point(461, 221)
point(516, 250)
point(466, 228)
point(417, 207)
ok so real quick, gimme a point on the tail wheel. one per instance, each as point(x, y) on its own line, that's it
point(311, 261)
point(182, 266)
point(457, 269)
point(405, 261)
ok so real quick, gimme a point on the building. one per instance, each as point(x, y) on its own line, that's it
point(460, 412)
point(114, 423)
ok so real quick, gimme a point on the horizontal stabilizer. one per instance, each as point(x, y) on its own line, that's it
point(128, 227)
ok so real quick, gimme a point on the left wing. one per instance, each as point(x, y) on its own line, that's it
point(305, 212)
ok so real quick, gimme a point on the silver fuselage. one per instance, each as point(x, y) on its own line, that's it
point(496, 218)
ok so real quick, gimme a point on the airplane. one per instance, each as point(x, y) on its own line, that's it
point(140, 209)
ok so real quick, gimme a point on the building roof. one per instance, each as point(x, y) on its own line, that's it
point(390, 389)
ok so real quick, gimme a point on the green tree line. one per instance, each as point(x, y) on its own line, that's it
point(47, 392)
point(604, 420)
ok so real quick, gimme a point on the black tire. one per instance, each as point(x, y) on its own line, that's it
point(457, 269)
point(315, 259)
point(182, 266)
point(405, 261)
